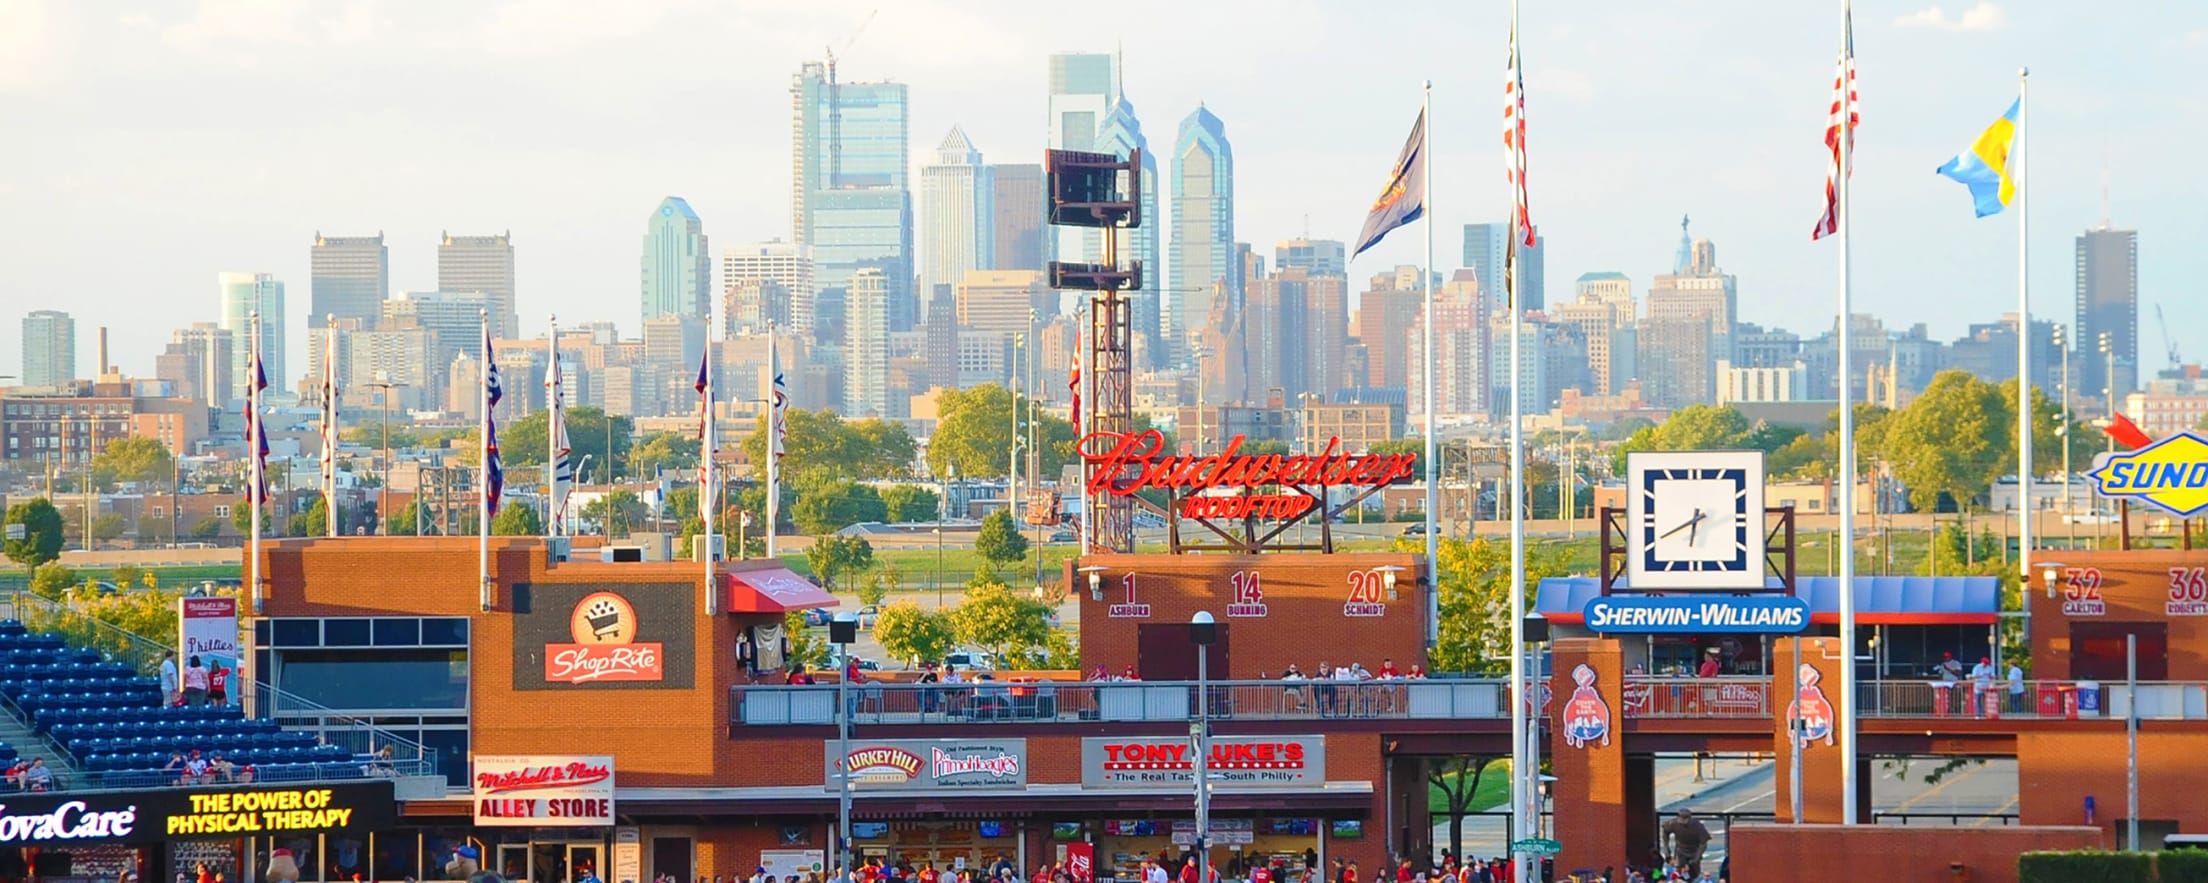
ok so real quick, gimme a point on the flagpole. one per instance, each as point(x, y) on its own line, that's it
point(255, 432)
point(1433, 472)
point(483, 466)
point(552, 433)
point(331, 522)
point(706, 500)
point(2023, 345)
point(774, 429)
point(1846, 540)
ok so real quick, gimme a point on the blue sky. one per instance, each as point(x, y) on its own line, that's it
point(150, 145)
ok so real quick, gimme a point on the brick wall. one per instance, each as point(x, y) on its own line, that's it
point(1901, 854)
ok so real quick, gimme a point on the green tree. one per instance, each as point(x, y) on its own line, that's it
point(154, 529)
point(669, 450)
point(681, 504)
point(517, 520)
point(822, 446)
point(910, 633)
point(1620, 430)
point(1948, 440)
point(1692, 428)
point(1000, 541)
point(314, 522)
point(1457, 777)
point(2047, 439)
point(832, 556)
point(243, 522)
point(975, 433)
point(43, 531)
point(108, 527)
point(1475, 602)
point(525, 442)
point(401, 522)
point(616, 513)
point(207, 528)
point(1410, 445)
point(832, 505)
point(808, 646)
point(995, 619)
point(51, 580)
point(872, 590)
point(132, 458)
point(910, 502)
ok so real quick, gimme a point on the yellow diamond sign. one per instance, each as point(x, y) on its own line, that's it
point(2171, 473)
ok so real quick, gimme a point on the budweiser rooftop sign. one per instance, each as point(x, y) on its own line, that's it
point(1231, 484)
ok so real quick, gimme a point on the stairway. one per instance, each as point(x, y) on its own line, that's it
point(30, 745)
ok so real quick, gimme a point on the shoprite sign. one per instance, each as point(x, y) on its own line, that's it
point(1230, 484)
point(922, 764)
point(1654, 615)
point(540, 790)
point(1170, 762)
point(2171, 474)
point(193, 813)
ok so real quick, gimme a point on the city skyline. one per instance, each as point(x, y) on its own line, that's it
point(1607, 202)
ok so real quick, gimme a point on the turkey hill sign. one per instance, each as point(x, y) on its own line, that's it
point(1230, 484)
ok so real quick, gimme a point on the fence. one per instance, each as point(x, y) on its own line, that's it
point(1049, 701)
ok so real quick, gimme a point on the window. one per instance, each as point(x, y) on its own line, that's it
point(376, 679)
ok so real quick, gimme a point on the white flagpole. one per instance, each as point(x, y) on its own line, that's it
point(706, 501)
point(331, 522)
point(2023, 345)
point(1846, 540)
point(774, 428)
point(552, 508)
point(483, 464)
point(255, 432)
point(1524, 764)
point(1433, 471)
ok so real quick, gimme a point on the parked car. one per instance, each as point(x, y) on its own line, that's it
point(817, 616)
point(1416, 529)
point(1062, 536)
point(969, 659)
point(867, 616)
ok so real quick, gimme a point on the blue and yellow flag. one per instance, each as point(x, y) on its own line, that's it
point(1403, 200)
point(1984, 168)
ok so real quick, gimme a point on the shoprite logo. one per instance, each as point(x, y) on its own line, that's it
point(2171, 474)
point(604, 626)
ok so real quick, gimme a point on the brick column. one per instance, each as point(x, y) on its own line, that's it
point(1587, 754)
point(1816, 676)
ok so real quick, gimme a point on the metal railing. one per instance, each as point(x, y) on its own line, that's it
point(1079, 701)
point(1648, 696)
point(2038, 700)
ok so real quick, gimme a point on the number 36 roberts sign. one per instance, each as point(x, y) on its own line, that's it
point(544, 791)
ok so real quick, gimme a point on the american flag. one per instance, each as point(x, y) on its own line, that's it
point(1074, 383)
point(705, 430)
point(1514, 141)
point(329, 426)
point(494, 485)
point(259, 430)
point(1843, 102)
point(778, 395)
point(563, 465)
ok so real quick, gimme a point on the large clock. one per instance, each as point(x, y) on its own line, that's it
point(1695, 520)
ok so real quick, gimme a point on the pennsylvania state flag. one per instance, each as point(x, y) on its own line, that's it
point(1984, 168)
point(1404, 199)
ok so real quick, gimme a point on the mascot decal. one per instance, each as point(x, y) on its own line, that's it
point(282, 868)
point(1586, 715)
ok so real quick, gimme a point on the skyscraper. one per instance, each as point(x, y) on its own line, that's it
point(1084, 86)
point(1015, 221)
point(851, 203)
point(784, 264)
point(351, 277)
point(954, 213)
point(866, 345)
point(242, 294)
point(49, 348)
point(1120, 136)
point(1203, 227)
point(677, 266)
point(1319, 256)
point(485, 264)
point(197, 363)
point(2108, 304)
point(1701, 291)
point(1486, 246)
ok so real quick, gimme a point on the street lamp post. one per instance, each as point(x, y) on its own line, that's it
point(1202, 632)
point(383, 387)
point(842, 631)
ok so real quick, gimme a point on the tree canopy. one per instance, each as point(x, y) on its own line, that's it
point(517, 520)
point(828, 506)
point(822, 446)
point(525, 442)
point(1475, 609)
point(1000, 541)
point(43, 532)
point(996, 619)
point(132, 458)
point(975, 433)
point(909, 633)
point(832, 556)
point(669, 450)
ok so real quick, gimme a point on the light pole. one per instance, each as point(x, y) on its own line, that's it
point(176, 498)
point(2131, 739)
point(383, 387)
point(842, 631)
point(582, 468)
point(1012, 462)
point(942, 511)
point(1202, 632)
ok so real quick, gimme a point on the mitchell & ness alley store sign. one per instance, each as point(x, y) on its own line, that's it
point(539, 790)
point(193, 813)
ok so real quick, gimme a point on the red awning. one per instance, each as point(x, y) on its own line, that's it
point(773, 590)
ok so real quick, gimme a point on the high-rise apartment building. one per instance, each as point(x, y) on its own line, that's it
point(1001, 301)
point(851, 201)
point(1385, 313)
point(351, 275)
point(866, 345)
point(1676, 360)
point(485, 264)
point(197, 364)
point(242, 294)
point(2107, 306)
point(677, 266)
point(1534, 383)
point(783, 263)
point(455, 318)
point(1203, 228)
point(49, 349)
point(1015, 222)
point(955, 215)
point(1461, 350)
point(1597, 325)
point(1319, 257)
point(1611, 288)
point(1485, 248)
point(1121, 135)
point(1326, 343)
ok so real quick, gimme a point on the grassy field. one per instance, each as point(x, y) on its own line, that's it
point(1493, 791)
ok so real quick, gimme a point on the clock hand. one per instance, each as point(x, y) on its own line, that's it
point(1698, 516)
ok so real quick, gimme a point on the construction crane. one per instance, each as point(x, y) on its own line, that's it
point(835, 104)
point(2167, 344)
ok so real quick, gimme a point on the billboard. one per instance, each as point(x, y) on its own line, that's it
point(540, 790)
point(604, 637)
point(1170, 762)
point(208, 628)
point(931, 764)
point(177, 813)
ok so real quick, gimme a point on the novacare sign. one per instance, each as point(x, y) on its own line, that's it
point(1667, 615)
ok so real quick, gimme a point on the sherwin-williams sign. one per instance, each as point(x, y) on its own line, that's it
point(1635, 615)
point(1170, 762)
point(544, 790)
point(923, 764)
point(631, 636)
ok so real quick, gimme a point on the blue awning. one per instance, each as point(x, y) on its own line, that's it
point(1879, 600)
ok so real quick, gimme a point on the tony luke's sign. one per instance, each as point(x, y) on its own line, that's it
point(1170, 762)
point(2171, 474)
point(1231, 485)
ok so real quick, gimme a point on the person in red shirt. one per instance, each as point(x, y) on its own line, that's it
point(1129, 675)
point(928, 873)
point(1709, 667)
point(1402, 871)
point(1349, 874)
point(1188, 868)
point(1261, 874)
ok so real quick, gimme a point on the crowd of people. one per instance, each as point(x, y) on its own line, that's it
point(195, 768)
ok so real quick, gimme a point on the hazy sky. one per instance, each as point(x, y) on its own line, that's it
point(146, 146)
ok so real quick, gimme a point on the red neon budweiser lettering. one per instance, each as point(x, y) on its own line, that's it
point(1116, 453)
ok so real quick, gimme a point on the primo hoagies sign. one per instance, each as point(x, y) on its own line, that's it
point(1229, 484)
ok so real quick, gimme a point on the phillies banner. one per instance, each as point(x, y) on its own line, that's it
point(208, 628)
point(1081, 862)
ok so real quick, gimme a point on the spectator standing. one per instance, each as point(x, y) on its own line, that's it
point(218, 684)
point(2016, 688)
point(171, 688)
point(1710, 666)
point(195, 683)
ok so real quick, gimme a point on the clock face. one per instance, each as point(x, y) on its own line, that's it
point(1696, 520)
